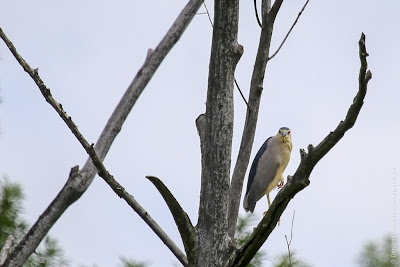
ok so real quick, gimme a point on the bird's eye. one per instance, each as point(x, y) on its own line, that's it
point(288, 132)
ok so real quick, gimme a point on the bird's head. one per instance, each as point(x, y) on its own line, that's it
point(284, 134)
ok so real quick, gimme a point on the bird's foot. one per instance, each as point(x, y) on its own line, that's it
point(280, 184)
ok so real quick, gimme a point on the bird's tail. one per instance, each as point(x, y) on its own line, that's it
point(245, 204)
point(248, 205)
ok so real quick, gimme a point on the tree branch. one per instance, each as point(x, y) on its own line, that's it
point(200, 125)
point(300, 179)
point(241, 94)
point(47, 94)
point(256, 88)
point(182, 220)
point(208, 13)
point(288, 243)
point(6, 248)
point(257, 17)
point(274, 10)
point(290, 30)
point(80, 181)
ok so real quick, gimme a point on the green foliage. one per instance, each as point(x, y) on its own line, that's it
point(284, 261)
point(243, 232)
point(49, 254)
point(132, 263)
point(374, 254)
point(10, 208)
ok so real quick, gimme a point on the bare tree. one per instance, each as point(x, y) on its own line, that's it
point(211, 241)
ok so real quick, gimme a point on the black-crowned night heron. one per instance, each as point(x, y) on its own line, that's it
point(267, 168)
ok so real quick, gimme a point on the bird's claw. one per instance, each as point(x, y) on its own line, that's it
point(280, 184)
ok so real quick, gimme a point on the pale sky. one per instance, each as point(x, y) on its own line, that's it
point(89, 51)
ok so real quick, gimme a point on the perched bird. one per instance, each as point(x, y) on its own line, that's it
point(267, 168)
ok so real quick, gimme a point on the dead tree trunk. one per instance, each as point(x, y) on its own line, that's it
point(216, 131)
point(211, 242)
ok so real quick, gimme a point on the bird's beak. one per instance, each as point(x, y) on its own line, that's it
point(283, 136)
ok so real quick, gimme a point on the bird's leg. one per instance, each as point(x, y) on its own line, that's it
point(269, 204)
point(280, 185)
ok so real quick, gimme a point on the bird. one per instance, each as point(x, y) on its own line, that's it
point(267, 169)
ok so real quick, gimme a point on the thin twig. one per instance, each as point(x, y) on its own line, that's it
point(290, 242)
point(34, 73)
point(290, 30)
point(240, 91)
point(257, 17)
point(208, 13)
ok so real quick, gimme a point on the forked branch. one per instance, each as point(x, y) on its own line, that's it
point(79, 181)
point(300, 179)
point(289, 242)
point(102, 171)
point(256, 12)
point(256, 88)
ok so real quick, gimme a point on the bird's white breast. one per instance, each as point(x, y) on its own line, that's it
point(283, 159)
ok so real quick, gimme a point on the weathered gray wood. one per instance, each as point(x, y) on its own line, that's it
point(256, 88)
point(211, 242)
point(6, 248)
point(182, 220)
point(300, 179)
point(216, 131)
point(80, 180)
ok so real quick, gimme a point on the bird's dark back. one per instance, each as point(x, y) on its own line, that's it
point(254, 165)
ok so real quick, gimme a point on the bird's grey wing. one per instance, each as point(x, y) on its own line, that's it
point(267, 168)
point(253, 169)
